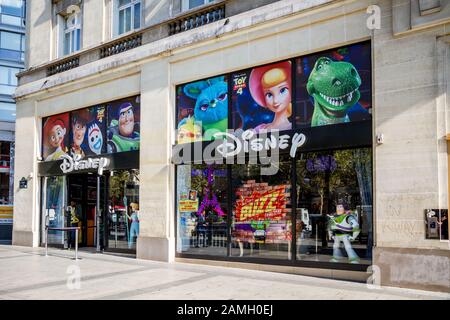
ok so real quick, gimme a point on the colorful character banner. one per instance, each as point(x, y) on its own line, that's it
point(55, 136)
point(334, 86)
point(88, 131)
point(202, 109)
point(262, 98)
point(124, 125)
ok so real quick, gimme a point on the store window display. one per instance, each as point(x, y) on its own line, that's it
point(334, 207)
point(261, 224)
point(54, 208)
point(202, 209)
point(123, 210)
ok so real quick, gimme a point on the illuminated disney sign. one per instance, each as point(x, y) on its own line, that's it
point(75, 163)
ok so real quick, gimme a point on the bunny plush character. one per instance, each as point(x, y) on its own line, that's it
point(211, 107)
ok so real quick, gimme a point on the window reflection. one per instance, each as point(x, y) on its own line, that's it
point(202, 209)
point(123, 210)
point(334, 209)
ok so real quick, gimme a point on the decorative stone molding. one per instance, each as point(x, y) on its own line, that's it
point(64, 7)
point(411, 15)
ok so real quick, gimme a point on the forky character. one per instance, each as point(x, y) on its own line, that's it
point(95, 138)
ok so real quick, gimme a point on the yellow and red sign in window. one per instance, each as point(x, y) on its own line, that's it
point(258, 201)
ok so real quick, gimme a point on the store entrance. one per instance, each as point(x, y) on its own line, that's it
point(82, 204)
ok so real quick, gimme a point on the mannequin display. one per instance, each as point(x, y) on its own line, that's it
point(343, 227)
point(134, 227)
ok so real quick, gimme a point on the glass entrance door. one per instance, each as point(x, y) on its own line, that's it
point(84, 197)
point(53, 209)
point(122, 217)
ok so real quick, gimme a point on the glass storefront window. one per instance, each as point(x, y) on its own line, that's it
point(261, 225)
point(334, 207)
point(202, 209)
point(123, 210)
point(53, 209)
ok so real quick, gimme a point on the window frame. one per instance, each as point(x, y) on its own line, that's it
point(117, 8)
point(186, 7)
point(11, 78)
point(22, 42)
point(8, 14)
point(72, 32)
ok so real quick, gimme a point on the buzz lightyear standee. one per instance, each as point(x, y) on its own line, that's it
point(343, 227)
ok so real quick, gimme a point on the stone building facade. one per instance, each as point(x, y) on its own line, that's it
point(170, 45)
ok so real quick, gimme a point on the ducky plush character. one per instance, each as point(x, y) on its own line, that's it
point(189, 131)
point(211, 106)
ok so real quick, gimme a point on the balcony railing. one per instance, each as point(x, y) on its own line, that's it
point(197, 19)
point(121, 45)
point(63, 65)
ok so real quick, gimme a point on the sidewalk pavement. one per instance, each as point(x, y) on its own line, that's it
point(25, 273)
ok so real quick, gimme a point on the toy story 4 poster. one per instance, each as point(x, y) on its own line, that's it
point(88, 127)
point(261, 98)
point(124, 125)
point(55, 136)
point(334, 86)
point(202, 109)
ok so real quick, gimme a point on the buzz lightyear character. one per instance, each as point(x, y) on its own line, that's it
point(122, 135)
point(343, 227)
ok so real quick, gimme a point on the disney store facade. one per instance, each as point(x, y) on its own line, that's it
point(274, 163)
point(89, 176)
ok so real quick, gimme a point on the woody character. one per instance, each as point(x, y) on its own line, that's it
point(79, 124)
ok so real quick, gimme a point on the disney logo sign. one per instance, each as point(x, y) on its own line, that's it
point(241, 147)
point(76, 163)
point(248, 142)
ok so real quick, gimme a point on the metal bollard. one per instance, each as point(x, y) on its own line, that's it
point(46, 241)
point(76, 244)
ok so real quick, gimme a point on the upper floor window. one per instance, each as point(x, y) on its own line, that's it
point(8, 80)
point(12, 12)
point(12, 46)
point(190, 4)
point(72, 33)
point(128, 15)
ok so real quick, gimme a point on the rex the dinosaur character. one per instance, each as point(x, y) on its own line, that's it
point(334, 85)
